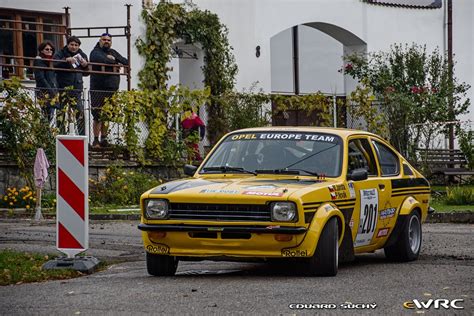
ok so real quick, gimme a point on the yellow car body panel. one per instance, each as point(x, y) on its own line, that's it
point(367, 210)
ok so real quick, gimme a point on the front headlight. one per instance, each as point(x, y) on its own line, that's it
point(156, 209)
point(283, 212)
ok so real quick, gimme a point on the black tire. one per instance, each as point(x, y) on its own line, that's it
point(325, 260)
point(408, 245)
point(159, 265)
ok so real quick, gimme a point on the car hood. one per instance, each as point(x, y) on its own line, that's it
point(236, 190)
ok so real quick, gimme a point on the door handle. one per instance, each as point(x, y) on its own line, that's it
point(382, 186)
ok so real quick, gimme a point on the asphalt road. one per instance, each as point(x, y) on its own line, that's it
point(445, 270)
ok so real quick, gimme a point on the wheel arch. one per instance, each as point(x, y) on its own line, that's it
point(324, 213)
point(409, 205)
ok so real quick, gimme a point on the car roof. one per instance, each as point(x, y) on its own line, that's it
point(343, 132)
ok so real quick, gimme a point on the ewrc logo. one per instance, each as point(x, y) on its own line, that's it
point(436, 304)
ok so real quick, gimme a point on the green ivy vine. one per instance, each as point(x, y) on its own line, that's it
point(130, 108)
point(167, 23)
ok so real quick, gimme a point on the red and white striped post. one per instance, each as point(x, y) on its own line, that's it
point(72, 194)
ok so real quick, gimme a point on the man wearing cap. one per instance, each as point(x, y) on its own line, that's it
point(103, 85)
point(72, 57)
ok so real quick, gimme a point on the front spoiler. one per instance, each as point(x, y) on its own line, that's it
point(227, 229)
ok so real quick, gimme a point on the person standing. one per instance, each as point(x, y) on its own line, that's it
point(103, 85)
point(193, 125)
point(72, 58)
point(46, 85)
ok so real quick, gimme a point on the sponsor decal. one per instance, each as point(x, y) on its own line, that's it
point(294, 253)
point(337, 191)
point(272, 227)
point(351, 223)
point(328, 208)
point(352, 192)
point(219, 191)
point(215, 229)
point(285, 136)
point(434, 303)
point(181, 185)
point(383, 232)
point(261, 187)
point(369, 202)
point(387, 213)
point(158, 249)
point(258, 193)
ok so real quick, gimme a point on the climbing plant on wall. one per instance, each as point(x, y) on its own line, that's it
point(168, 23)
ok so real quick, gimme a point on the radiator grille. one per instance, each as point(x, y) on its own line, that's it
point(220, 212)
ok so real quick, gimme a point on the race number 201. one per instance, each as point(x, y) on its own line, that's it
point(369, 201)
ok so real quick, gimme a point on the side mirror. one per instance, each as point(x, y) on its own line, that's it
point(190, 170)
point(358, 175)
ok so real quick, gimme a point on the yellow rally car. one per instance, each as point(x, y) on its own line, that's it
point(312, 195)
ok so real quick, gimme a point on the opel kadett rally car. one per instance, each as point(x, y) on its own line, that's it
point(312, 195)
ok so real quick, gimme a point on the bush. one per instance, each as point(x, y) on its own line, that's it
point(18, 198)
point(120, 187)
point(460, 196)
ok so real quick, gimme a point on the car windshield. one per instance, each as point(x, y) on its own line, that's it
point(278, 152)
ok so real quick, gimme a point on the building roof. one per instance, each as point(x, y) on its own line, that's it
point(409, 4)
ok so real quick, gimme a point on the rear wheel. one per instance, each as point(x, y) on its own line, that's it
point(408, 245)
point(325, 259)
point(159, 265)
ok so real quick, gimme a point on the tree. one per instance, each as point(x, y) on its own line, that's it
point(415, 90)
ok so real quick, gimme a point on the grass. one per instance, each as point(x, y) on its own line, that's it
point(449, 199)
point(442, 207)
point(442, 188)
point(19, 267)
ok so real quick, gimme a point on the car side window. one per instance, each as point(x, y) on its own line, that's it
point(361, 156)
point(389, 162)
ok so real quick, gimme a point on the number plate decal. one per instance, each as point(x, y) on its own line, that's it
point(369, 204)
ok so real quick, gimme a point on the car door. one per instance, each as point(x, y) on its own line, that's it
point(371, 194)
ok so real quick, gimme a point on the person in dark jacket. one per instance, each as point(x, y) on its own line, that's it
point(46, 86)
point(73, 59)
point(103, 85)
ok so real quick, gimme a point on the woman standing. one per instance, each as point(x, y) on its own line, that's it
point(46, 85)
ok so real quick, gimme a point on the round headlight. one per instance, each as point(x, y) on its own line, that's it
point(156, 209)
point(283, 211)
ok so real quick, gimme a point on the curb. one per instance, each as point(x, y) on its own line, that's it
point(457, 217)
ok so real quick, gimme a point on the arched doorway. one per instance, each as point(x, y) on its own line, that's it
point(307, 58)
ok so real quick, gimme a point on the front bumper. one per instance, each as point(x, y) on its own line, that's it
point(230, 229)
point(227, 241)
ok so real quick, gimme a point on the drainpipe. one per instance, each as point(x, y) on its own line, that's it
point(296, 65)
point(450, 71)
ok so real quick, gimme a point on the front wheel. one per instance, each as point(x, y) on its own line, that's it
point(325, 259)
point(159, 265)
point(408, 245)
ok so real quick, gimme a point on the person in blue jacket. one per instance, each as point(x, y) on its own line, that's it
point(103, 85)
point(72, 58)
point(46, 85)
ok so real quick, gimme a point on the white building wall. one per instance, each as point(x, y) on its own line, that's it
point(463, 47)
